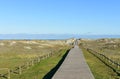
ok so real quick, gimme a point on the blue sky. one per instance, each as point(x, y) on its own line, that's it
point(60, 16)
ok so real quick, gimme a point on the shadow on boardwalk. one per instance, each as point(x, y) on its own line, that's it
point(50, 74)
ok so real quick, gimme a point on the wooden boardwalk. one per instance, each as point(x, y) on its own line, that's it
point(74, 66)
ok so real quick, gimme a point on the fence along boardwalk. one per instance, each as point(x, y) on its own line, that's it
point(18, 70)
point(115, 66)
point(74, 66)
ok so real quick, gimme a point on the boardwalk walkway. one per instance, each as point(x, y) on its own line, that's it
point(74, 66)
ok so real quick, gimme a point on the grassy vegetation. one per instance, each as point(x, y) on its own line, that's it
point(108, 47)
point(98, 68)
point(14, 53)
point(39, 70)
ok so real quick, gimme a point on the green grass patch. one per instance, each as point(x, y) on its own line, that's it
point(98, 68)
point(39, 70)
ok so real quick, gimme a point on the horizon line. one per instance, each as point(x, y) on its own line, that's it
point(51, 34)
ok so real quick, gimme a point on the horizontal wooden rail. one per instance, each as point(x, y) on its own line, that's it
point(108, 61)
point(18, 70)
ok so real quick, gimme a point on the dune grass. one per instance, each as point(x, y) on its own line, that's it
point(41, 69)
point(98, 68)
point(14, 53)
point(108, 47)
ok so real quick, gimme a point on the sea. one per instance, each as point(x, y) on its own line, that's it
point(52, 36)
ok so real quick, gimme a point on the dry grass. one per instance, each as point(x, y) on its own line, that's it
point(109, 47)
point(16, 52)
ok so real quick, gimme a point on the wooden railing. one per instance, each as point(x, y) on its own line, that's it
point(19, 69)
point(115, 66)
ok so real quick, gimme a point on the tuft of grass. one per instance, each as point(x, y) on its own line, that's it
point(98, 68)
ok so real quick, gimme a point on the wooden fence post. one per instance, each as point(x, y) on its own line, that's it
point(38, 59)
point(109, 59)
point(48, 54)
point(32, 62)
point(27, 65)
point(118, 66)
point(8, 74)
point(20, 71)
point(102, 56)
